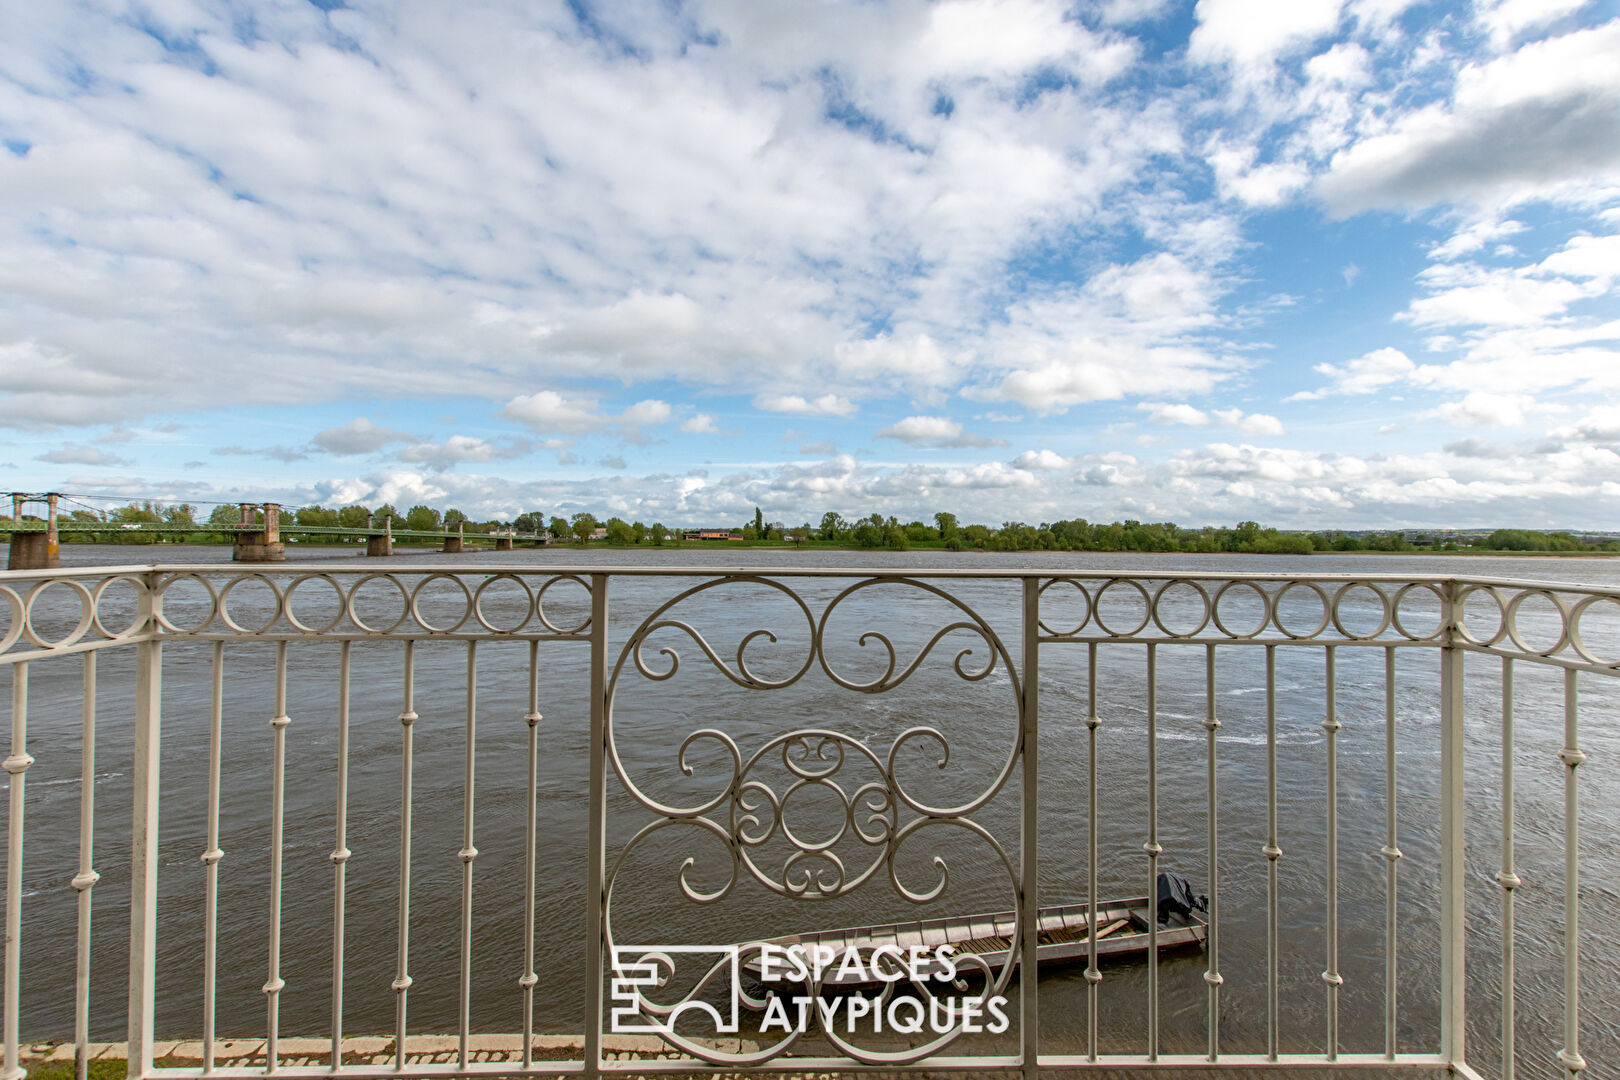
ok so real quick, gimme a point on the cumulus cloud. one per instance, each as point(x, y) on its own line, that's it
point(1044, 460)
point(1546, 115)
point(934, 431)
point(80, 455)
point(462, 448)
point(1482, 408)
point(1169, 413)
point(699, 424)
point(798, 405)
point(1250, 33)
point(358, 436)
point(1366, 374)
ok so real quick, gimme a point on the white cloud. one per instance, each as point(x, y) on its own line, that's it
point(1544, 116)
point(548, 412)
point(462, 448)
point(935, 431)
point(1366, 374)
point(1251, 33)
point(358, 436)
point(1482, 408)
point(80, 455)
point(1044, 460)
point(699, 424)
point(798, 405)
point(1181, 413)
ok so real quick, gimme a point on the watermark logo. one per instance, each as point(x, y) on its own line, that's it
point(792, 977)
point(636, 970)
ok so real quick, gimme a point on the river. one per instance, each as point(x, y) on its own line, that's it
point(976, 719)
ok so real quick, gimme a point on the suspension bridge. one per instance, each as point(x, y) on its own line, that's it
point(257, 534)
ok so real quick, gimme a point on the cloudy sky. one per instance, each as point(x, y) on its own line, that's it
point(1314, 262)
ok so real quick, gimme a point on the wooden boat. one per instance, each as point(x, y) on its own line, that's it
point(1122, 930)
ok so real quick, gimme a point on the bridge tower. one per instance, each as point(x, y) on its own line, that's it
point(384, 544)
point(34, 550)
point(255, 544)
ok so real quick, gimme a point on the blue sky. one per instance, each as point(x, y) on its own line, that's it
point(1349, 263)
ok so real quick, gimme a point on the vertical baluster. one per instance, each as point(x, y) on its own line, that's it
point(84, 881)
point(340, 854)
point(402, 977)
point(1272, 853)
point(1029, 832)
point(1507, 878)
point(143, 869)
point(1572, 756)
point(274, 984)
point(529, 978)
point(1453, 897)
point(1093, 974)
point(1153, 850)
point(1391, 853)
point(1212, 976)
point(1331, 976)
point(596, 864)
point(212, 855)
point(468, 852)
point(16, 764)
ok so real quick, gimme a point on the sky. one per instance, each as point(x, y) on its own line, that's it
point(1316, 263)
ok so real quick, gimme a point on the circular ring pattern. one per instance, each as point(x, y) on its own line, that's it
point(1387, 613)
point(1147, 607)
point(1439, 622)
point(225, 608)
point(1511, 617)
point(213, 603)
point(1265, 610)
point(1501, 614)
point(1574, 622)
point(331, 623)
point(416, 608)
point(101, 593)
point(1079, 588)
point(1159, 599)
point(540, 606)
point(478, 604)
point(13, 631)
point(404, 604)
point(87, 612)
point(1277, 603)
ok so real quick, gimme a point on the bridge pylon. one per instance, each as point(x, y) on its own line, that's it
point(34, 550)
point(256, 544)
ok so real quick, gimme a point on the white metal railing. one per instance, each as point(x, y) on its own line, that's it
point(1038, 620)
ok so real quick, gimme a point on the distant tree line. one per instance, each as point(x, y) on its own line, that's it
point(873, 532)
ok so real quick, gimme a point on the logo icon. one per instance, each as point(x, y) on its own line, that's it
point(638, 969)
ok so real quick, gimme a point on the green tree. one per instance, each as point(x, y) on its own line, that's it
point(181, 514)
point(385, 511)
point(947, 525)
point(225, 514)
point(639, 530)
point(584, 525)
point(422, 519)
point(452, 518)
point(560, 529)
point(833, 526)
point(658, 534)
point(316, 516)
point(759, 524)
point(620, 532)
point(799, 534)
point(354, 516)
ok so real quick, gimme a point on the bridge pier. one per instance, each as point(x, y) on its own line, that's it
point(259, 545)
point(384, 544)
point(453, 544)
point(503, 543)
point(34, 550)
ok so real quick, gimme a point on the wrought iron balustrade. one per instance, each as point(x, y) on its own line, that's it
point(794, 801)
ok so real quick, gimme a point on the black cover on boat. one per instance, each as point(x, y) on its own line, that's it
point(1176, 897)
